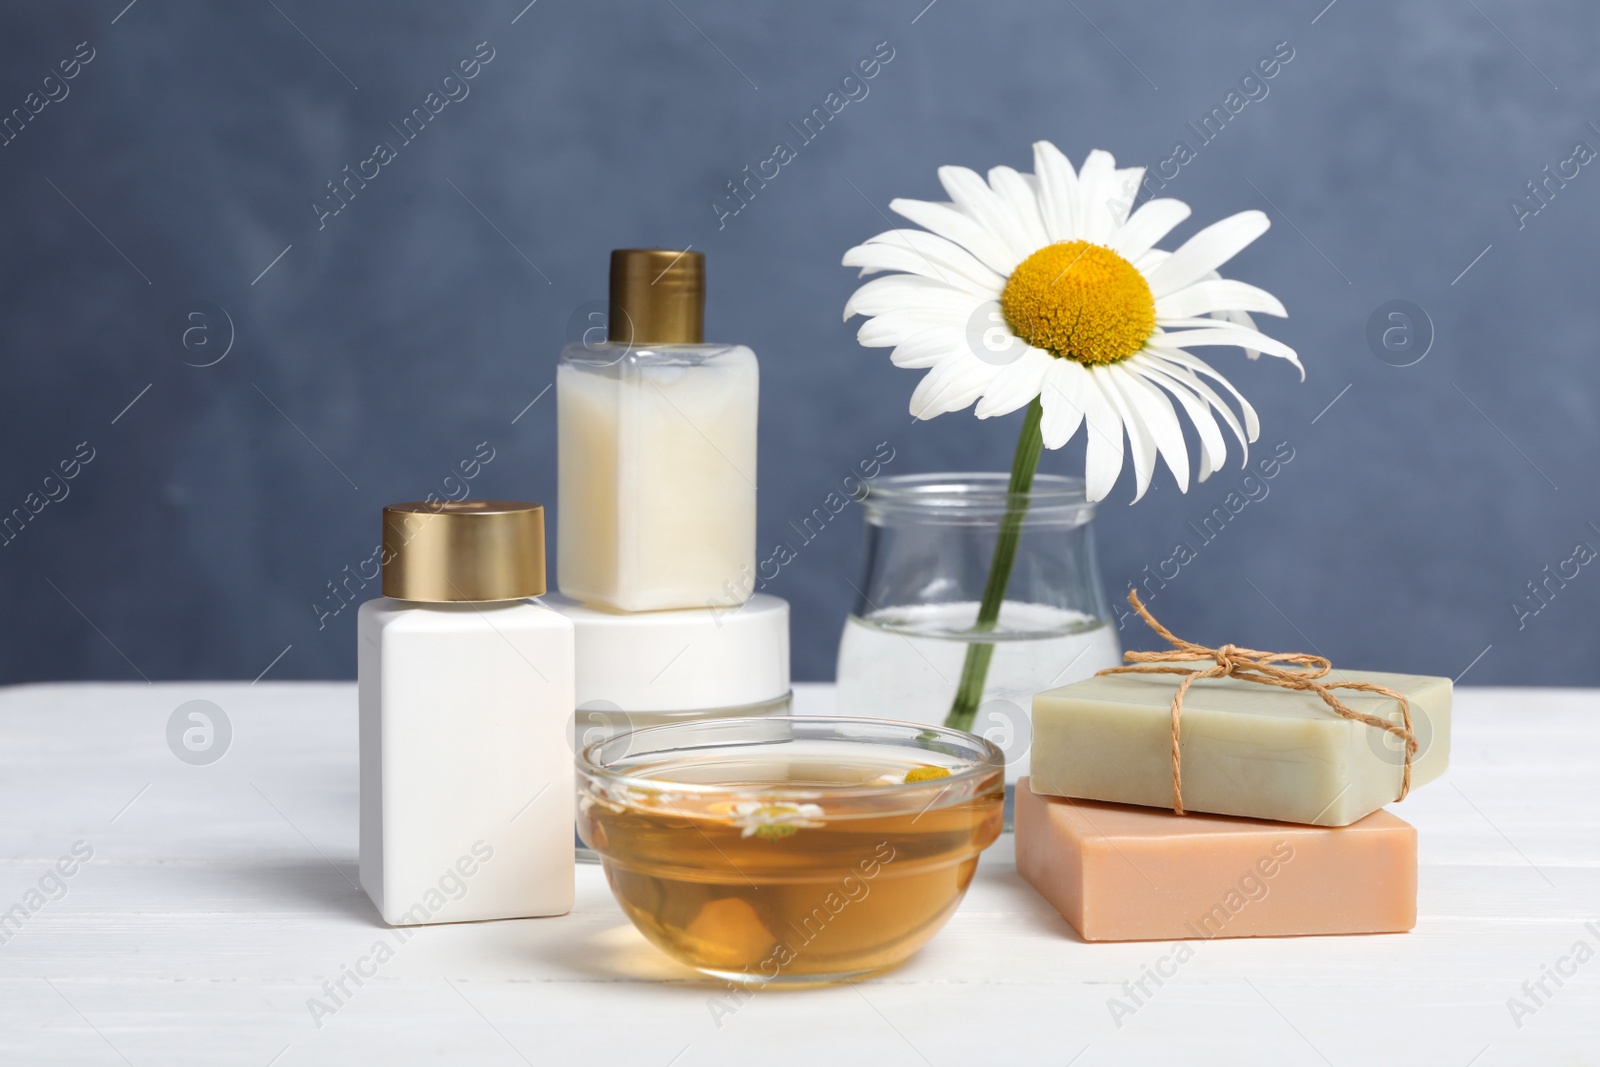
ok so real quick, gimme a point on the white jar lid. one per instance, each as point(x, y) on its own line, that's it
point(684, 660)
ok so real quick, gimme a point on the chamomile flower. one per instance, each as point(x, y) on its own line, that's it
point(775, 819)
point(617, 798)
point(1045, 287)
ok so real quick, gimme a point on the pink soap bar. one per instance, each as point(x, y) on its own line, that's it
point(1120, 873)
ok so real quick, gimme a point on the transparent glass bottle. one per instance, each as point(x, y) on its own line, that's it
point(930, 540)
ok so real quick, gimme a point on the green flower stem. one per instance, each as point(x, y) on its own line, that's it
point(975, 671)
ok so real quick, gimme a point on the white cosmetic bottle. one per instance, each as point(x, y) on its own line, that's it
point(465, 691)
point(657, 448)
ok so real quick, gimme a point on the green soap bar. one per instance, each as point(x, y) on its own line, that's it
point(1259, 751)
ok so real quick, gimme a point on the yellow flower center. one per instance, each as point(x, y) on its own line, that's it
point(1079, 301)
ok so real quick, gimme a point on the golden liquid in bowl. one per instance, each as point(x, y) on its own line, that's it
point(798, 890)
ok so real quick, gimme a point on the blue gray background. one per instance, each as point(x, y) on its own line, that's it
point(379, 350)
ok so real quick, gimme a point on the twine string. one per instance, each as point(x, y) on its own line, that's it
point(1266, 668)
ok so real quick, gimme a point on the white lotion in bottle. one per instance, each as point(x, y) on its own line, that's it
point(657, 448)
point(465, 691)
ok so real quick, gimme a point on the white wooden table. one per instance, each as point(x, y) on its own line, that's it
point(219, 898)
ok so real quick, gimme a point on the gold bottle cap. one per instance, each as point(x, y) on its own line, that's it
point(466, 550)
point(658, 297)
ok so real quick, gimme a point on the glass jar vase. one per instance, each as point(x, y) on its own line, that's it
point(930, 542)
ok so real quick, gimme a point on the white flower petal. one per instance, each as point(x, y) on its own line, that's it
point(921, 361)
point(927, 389)
point(951, 386)
point(941, 258)
point(926, 354)
point(1252, 423)
point(1189, 379)
point(1058, 189)
point(1213, 446)
point(1095, 206)
point(973, 196)
point(1155, 410)
point(1128, 180)
point(1206, 251)
point(1063, 394)
point(1032, 181)
point(1237, 318)
point(1020, 195)
point(1016, 385)
point(895, 327)
point(928, 347)
point(1241, 318)
point(875, 258)
point(1205, 297)
point(1228, 334)
point(904, 292)
point(1153, 220)
point(1103, 452)
point(1140, 441)
point(955, 225)
point(1147, 262)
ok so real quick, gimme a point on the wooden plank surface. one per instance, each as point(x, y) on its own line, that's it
point(220, 898)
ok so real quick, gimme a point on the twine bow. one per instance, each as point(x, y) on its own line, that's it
point(1249, 665)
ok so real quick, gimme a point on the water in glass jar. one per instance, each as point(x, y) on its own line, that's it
point(904, 663)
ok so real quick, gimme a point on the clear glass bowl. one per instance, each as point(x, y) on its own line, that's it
point(600, 720)
point(787, 850)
